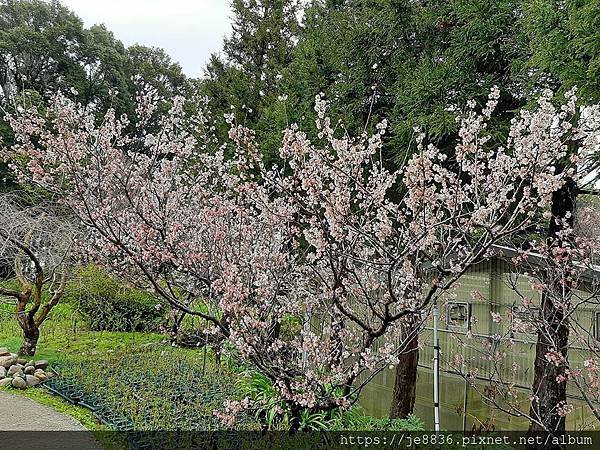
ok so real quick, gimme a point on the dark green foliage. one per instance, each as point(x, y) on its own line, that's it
point(38, 44)
point(409, 62)
point(564, 41)
point(155, 67)
point(273, 413)
point(246, 79)
point(107, 81)
point(405, 61)
point(44, 49)
point(260, 389)
point(356, 419)
point(262, 39)
point(36, 39)
point(107, 304)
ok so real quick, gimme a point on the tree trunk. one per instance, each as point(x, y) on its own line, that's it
point(548, 393)
point(554, 334)
point(177, 319)
point(31, 334)
point(295, 419)
point(405, 384)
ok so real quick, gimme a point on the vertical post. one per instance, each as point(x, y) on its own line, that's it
point(465, 401)
point(204, 355)
point(436, 373)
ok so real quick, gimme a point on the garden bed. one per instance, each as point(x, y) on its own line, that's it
point(154, 390)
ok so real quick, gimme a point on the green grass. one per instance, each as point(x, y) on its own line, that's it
point(141, 378)
point(64, 337)
point(63, 334)
point(54, 347)
point(171, 390)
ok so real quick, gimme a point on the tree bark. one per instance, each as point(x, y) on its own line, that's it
point(405, 384)
point(554, 333)
point(31, 334)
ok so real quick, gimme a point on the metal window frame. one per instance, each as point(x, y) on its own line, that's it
point(451, 326)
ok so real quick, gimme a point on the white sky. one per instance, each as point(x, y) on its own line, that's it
point(188, 30)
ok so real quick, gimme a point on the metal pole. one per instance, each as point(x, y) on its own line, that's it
point(465, 402)
point(436, 374)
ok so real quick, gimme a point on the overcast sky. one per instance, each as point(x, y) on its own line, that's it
point(189, 30)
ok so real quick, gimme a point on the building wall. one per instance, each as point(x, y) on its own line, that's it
point(491, 279)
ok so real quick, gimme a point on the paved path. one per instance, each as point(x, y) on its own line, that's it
point(18, 414)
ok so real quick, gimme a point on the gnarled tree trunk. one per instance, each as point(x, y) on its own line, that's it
point(31, 334)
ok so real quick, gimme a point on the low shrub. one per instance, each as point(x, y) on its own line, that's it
point(356, 419)
point(108, 304)
point(272, 412)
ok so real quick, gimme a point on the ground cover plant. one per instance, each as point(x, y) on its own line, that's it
point(148, 389)
point(273, 413)
point(139, 382)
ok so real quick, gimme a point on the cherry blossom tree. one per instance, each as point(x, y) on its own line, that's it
point(383, 262)
point(556, 280)
point(323, 241)
point(38, 242)
point(587, 220)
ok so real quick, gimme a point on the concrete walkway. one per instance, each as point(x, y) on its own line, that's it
point(25, 424)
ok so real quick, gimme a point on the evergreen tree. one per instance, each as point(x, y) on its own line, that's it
point(104, 61)
point(406, 61)
point(156, 68)
point(44, 48)
point(247, 75)
point(564, 41)
point(39, 42)
point(261, 44)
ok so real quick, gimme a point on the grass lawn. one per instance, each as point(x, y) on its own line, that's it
point(141, 378)
point(63, 335)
